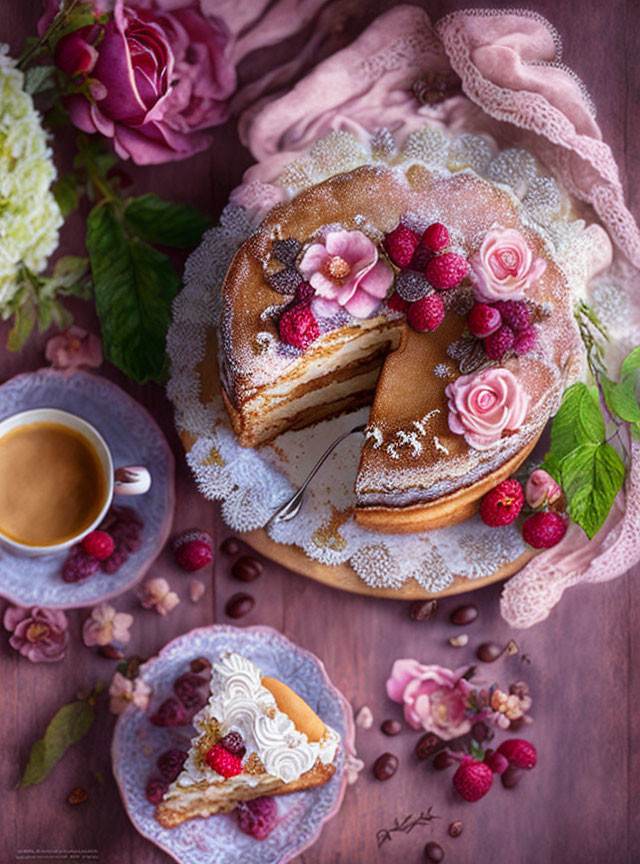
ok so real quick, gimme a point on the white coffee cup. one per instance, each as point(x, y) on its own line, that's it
point(128, 480)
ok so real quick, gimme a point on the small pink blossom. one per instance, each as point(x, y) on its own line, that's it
point(105, 626)
point(434, 698)
point(504, 267)
point(123, 692)
point(541, 489)
point(73, 349)
point(156, 594)
point(39, 634)
point(344, 270)
point(196, 590)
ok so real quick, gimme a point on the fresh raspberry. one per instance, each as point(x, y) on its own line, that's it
point(234, 744)
point(446, 271)
point(99, 544)
point(78, 565)
point(155, 790)
point(125, 527)
point(223, 762)
point(193, 550)
point(426, 314)
point(257, 817)
point(285, 281)
point(514, 313)
point(304, 293)
point(298, 327)
point(526, 340)
point(420, 259)
point(170, 764)
point(400, 245)
point(503, 504)
point(473, 779)
point(496, 761)
point(520, 753)
point(171, 713)
point(412, 286)
point(188, 689)
point(497, 344)
point(396, 303)
point(483, 320)
point(436, 237)
point(543, 530)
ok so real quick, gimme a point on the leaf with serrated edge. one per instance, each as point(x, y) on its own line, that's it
point(69, 725)
point(630, 364)
point(160, 221)
point(592, 476)
point(577, 422)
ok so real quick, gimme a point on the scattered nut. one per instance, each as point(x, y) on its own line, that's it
point(196, 590)
point(455, 829)
point(423, 610)
point(458, 641)
point(110, 652)
point(364, 718)
point(512, 648)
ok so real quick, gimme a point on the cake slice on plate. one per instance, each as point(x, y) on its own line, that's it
point(255, 737)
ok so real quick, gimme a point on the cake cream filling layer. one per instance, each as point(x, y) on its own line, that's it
point(240, 703)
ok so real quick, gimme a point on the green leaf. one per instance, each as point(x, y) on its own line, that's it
point(69, 725)
point(621, 398)
point(630, 365)
point(133, 287)
point(592, 476)
point(65, 191)
point(160, 221)
point(37, 79)
point(578, 421)
point(80, 16)
point(70, 269)
point(23, 323)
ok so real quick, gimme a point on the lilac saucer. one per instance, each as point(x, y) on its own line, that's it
point(134, 438)
point(218, 840)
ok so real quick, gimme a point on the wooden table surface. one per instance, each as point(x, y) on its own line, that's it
point(582, 802)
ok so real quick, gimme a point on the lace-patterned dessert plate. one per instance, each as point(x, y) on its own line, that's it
point(134, 439)
point(217, 839)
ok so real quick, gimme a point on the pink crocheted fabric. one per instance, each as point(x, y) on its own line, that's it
point(514, 88)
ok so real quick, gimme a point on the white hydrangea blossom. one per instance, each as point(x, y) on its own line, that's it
point(29, 214)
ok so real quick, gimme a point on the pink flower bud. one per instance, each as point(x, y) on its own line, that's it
point(541, 488)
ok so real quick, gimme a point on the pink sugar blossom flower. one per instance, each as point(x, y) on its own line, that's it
point(156, 594)
point(38, 634)
point(124, 692)
point(73, 349)
point(504, 267)
point(105, 626)
point(345, 271)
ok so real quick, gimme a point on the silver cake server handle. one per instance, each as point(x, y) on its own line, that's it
point(291, 508)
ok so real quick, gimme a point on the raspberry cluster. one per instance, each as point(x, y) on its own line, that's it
point(503, 326)
point(105, 549)
point(297, 325)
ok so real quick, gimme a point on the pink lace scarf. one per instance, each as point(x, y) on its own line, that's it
point(515, 89)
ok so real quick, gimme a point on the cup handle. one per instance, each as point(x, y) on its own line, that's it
point(131, 480)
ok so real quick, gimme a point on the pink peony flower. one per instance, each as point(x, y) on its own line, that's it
point(541, 489)
point(484, 405)
point(504, 266)
point(344, 270)
point(105, 626)
point(73, 349)
point(156, 594)
point(39, 634)
point(434, 698)
point(158, 73)
point(123, 692)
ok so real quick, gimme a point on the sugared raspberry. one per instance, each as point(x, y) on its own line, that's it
point(514, 313)
point(170, 764)
point(543, 530)
point(473, 779)
point(436, 237)
point(519, 752)
point(397, 303)
point(525, 341)
point(503, 504)
point(125, 527)
point(234, 744)
point(304, 293)
point(99, 544)
point(257, 817)
point(78, 565)
point(193, 550)
point(446, 271)
point(298, 327)
point(412, 286)
point(400, 245)
point(426, 314)
point(420, 259)
point(496, 761)
point(483, 320)
point(223, 762)
point(171, 713)
point(188, 688)
point(497, 344)
point(155, 790)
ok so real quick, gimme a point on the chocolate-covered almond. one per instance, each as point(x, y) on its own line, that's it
point(239, 605)
point(385, 766)
point(246, 569)
point(464, 615)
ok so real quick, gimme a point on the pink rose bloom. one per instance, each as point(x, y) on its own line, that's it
point(484, 405)
point(504, 267)
point(73, 349)
point(124, 692)
point(434, 698)
point(38, 634)
point(105, 626)
point(158, 73)
point(541, 488)
point(344, 270)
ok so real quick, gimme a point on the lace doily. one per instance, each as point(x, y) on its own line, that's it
point(254, 483)
point(218, 840)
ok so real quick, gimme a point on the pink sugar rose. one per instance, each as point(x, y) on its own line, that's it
point(435, 699)
point(123, 692)
point(344, 270)
point(158, 73)
point(484, 405)
point(74, 349)
point(105, 626)
point(504, 266)
point(38, 634)
point(541, 488)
